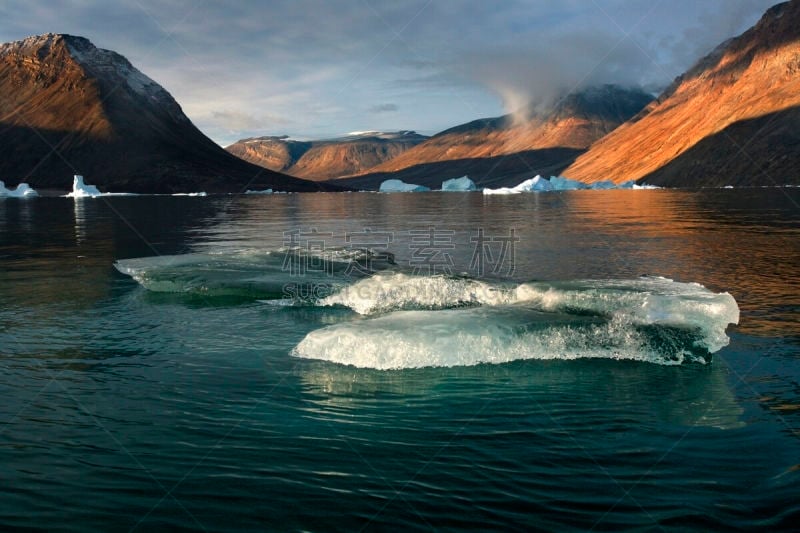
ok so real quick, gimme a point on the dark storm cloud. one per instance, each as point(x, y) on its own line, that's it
point(314, 68)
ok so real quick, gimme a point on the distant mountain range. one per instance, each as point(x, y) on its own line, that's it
point(68, 107)
point(732, 119)
point(325, 159)
point(504, 150)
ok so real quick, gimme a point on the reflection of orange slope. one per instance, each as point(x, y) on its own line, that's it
point(753, 75)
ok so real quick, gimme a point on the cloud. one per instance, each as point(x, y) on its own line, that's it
point(239, 67)
point(383, 108)
point(604, 45)
point(238, 121)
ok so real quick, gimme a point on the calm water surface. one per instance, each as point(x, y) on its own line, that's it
point(126, 409)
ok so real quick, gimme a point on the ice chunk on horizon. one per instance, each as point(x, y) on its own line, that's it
point(190, 194)
point(560, 183)
point(535, 184)
point(265, 191)
point(395, 185)
point(462, 184)
point(81, 190)
point(23, 190)
point(602, 185)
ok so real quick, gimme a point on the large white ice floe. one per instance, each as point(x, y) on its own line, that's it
point(438, 321)
point(394, 185)
point(23, 190)
point(389, 319)
point(462, 184)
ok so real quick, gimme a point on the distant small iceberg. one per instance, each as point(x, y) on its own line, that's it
point(395, 185)
point(560, 183)
point(265, 191)
point(23, 190)
point(602, 185)
point(190, 194)
point(462, 184)
point(81, 190)
point(535, 184)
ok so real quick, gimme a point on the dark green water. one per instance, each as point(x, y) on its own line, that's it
point(127, 409)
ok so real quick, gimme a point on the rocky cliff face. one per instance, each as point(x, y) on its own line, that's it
point(503, 149)
point(326, 159)
point(732, 119)
point(68, 107)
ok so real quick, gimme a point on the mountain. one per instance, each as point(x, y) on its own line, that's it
point(325, 159)
point(68, 107)
point(502, 150)
point(732, 119)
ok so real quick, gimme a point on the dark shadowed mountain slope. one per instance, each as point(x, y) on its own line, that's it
point(68, 107)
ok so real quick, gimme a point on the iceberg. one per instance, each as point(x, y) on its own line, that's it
point(462, 184)
point(81, 190)
point(412, 322)
point(265, 191)
point(535, 184)
point(190, 194)
point(395, 185)
point(560, 183)
point(23, 190)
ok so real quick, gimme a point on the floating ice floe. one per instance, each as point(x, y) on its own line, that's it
point(462, 184)
point(23, 190)
point(401, 320)
point(411, 322)
point(190, 194)
point(560, 183)
point(81, 190)
point(401, 186)
point(265, 191)
point(535, 184)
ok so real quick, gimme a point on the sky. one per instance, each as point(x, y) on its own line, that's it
point(315, 69)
